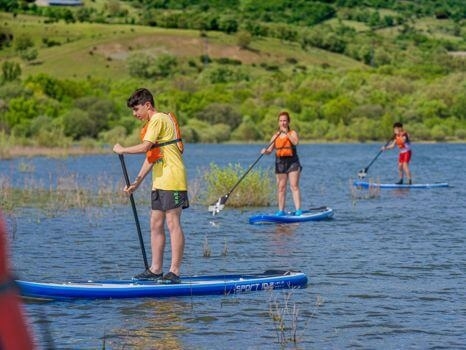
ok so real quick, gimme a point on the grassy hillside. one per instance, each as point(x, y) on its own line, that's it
point(101, 50)
point(345, 77)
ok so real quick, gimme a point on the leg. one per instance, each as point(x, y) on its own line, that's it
point(281, 190)
point(176, 239)
point(157, 240)
point(407, 171)
point(294, 186)
point(400, 171)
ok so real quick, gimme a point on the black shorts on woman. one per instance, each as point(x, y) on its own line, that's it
point(165, 200)
point(285, 165)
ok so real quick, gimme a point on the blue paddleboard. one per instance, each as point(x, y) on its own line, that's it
point(313, 214)
point(366, 184)
point(189, 286)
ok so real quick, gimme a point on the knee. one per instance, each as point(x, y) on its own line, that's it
point(281, 187)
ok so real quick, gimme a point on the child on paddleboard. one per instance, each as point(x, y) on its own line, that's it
point(287, 165)
point(401, 139)
point(162, 144)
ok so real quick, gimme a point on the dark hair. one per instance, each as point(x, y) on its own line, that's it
point(397, 125)
point(139, 97)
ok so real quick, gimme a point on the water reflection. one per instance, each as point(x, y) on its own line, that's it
point(286, 229)
point(158, 326)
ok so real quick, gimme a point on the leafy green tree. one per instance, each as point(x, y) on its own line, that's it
point(318, 129)
point(247, 130)
point(338, 109)
point(77, 124)
point(201, 131)
point(114, 135)
point(101, 110)
point(163, 66)
point(228, 24)
point(223, 113)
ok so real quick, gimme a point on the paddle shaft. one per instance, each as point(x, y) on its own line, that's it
point(377, 156)
point(135, 213)
point(249, 169)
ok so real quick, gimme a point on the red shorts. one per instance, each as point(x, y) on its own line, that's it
point(404, 157)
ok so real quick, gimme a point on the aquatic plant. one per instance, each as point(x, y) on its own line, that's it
point(254, 190)
point(67, 192)
point(285, 318)
point(364, 193)
point(206, 248)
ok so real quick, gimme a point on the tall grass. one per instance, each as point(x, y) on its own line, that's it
point(69, 192)
point(255, 190)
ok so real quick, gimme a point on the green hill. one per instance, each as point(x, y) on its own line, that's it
point(343, 69)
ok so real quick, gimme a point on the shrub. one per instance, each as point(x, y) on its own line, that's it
point(220, 113)
point(255, 189)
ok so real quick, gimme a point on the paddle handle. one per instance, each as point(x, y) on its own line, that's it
point(135, 213)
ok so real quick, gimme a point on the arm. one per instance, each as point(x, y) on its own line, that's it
point(145, 169)
point(293, 136)
point(389, 146)
point(271, 146)
point(140, 148)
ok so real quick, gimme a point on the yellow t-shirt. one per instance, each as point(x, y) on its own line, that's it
point(169, 173)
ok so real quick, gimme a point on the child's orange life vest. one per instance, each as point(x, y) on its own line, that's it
point(403, 145)
point(155, 153)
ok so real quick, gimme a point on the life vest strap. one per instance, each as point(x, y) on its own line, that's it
point(156, 145)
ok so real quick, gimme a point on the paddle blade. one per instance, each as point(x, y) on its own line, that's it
point(219, 205)
point(362, 173)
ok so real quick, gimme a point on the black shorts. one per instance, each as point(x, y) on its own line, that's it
point(285, 165)
point(166, 200)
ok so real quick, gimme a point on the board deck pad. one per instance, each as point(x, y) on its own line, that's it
point(313, 214)
point(189, 286)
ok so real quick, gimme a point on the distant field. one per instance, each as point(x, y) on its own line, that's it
point(101, 50)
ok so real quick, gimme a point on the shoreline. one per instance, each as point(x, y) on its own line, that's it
point(77, 150)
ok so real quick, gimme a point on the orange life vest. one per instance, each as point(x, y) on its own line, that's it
point(403, 145)
point(155, 153)
point(284, 147)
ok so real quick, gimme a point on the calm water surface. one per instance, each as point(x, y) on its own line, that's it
point(388, 272)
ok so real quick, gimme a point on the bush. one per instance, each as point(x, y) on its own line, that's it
point(247, 131)
point(78, 124)
point(117, 134)
point(256, 189)
point(52, 138)
point(243, 39)
point(220, 113)
point(10, 71)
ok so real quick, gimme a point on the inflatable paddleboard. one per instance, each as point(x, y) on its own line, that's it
point(366, 184)
point(313, 214)
point(189, 286)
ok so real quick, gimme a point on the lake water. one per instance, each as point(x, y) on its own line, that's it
point(388, 272)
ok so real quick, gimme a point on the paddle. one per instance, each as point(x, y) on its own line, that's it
point(318, 208)
point(135, 213)
point(363, 172)
point(220, 204)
